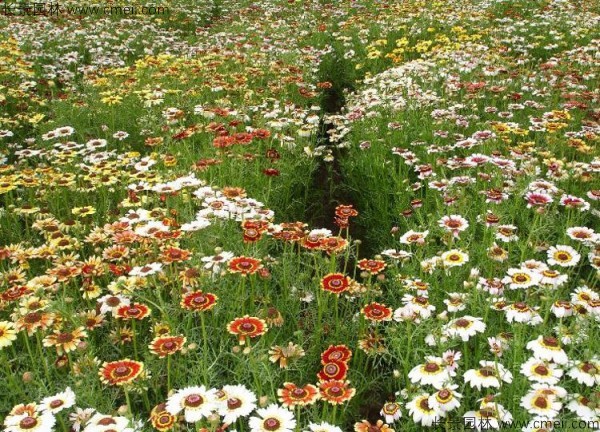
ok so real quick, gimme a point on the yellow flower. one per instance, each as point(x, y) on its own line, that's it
point(112, 100)
point(7, 334)
point(83, 211)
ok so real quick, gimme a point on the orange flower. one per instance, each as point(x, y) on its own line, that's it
point(173, 254)
point(366, 426)
point(247, 326)
point(161, 419)
point(372, 266)
point(333, 244)
point(120, 372)
point(133, 311)
point(336, 392)
point(345, 211)
point(336, 283)
point(163, 346)
point(291, 395)
point(377, 312)
point(199, 301)
point(244, 265)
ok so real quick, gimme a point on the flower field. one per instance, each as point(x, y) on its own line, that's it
point(300, 216)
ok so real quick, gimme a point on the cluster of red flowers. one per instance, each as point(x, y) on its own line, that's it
point(332, 377)
point(343, 213)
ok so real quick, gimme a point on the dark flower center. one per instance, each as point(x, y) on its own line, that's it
point(194, 400)
point(432, 367)
point(28, 423)
point(234, 403)
point(271, 424)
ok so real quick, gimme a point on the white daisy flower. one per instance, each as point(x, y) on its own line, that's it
point(541, 371)
point(548, 348)
point(562, 255)
point(59, 401)
point(195, 402)
point(272, 419)
point(238, 402)
point(490, 374)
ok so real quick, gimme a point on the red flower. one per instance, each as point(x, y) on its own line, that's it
point(133, 311)
point(336, 283)
point(372, 266)
point(120, 372)
point(377, 312)
point(271, 172)
point(198, 301)
point(333, 370)
point(247, 326)
point(337, 353)
point(244, 265)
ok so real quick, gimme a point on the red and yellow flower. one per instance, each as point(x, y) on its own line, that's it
point(120, 372)
point(247, 327)
point(244, 265)
point(377, 312)
point(291, 395)
point(163, 346)
point(199, 301)
point(336, 283)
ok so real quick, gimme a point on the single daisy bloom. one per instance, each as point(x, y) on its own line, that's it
point(454, 258)
point(30, 422)
point(272, 419)
point(562, 255)
point(421, 412)
point(490, 374)
point(161, 419)
point(414, 237)
point(336, 283)
point(247, 326)
point(445, 399)
point(541, 371)
point(433, 372)
point(454, 224)
point(163, 346)
point(583, 234)
point(238, 402)
point(336, 392)
point(464, 327)
point(367, 426)
point(8, 334)
point(586, 372)
point(291, 395)
point(340, 353)
point(322, 427)
point(198, 301)
point(377, 312)
point(548, 348)
point(244, 265)
point(541, 404)
point(195, 402)
point(58, 402)
point(521, 278)
point(391, 412)
point(333, 370)
point(120, 372)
